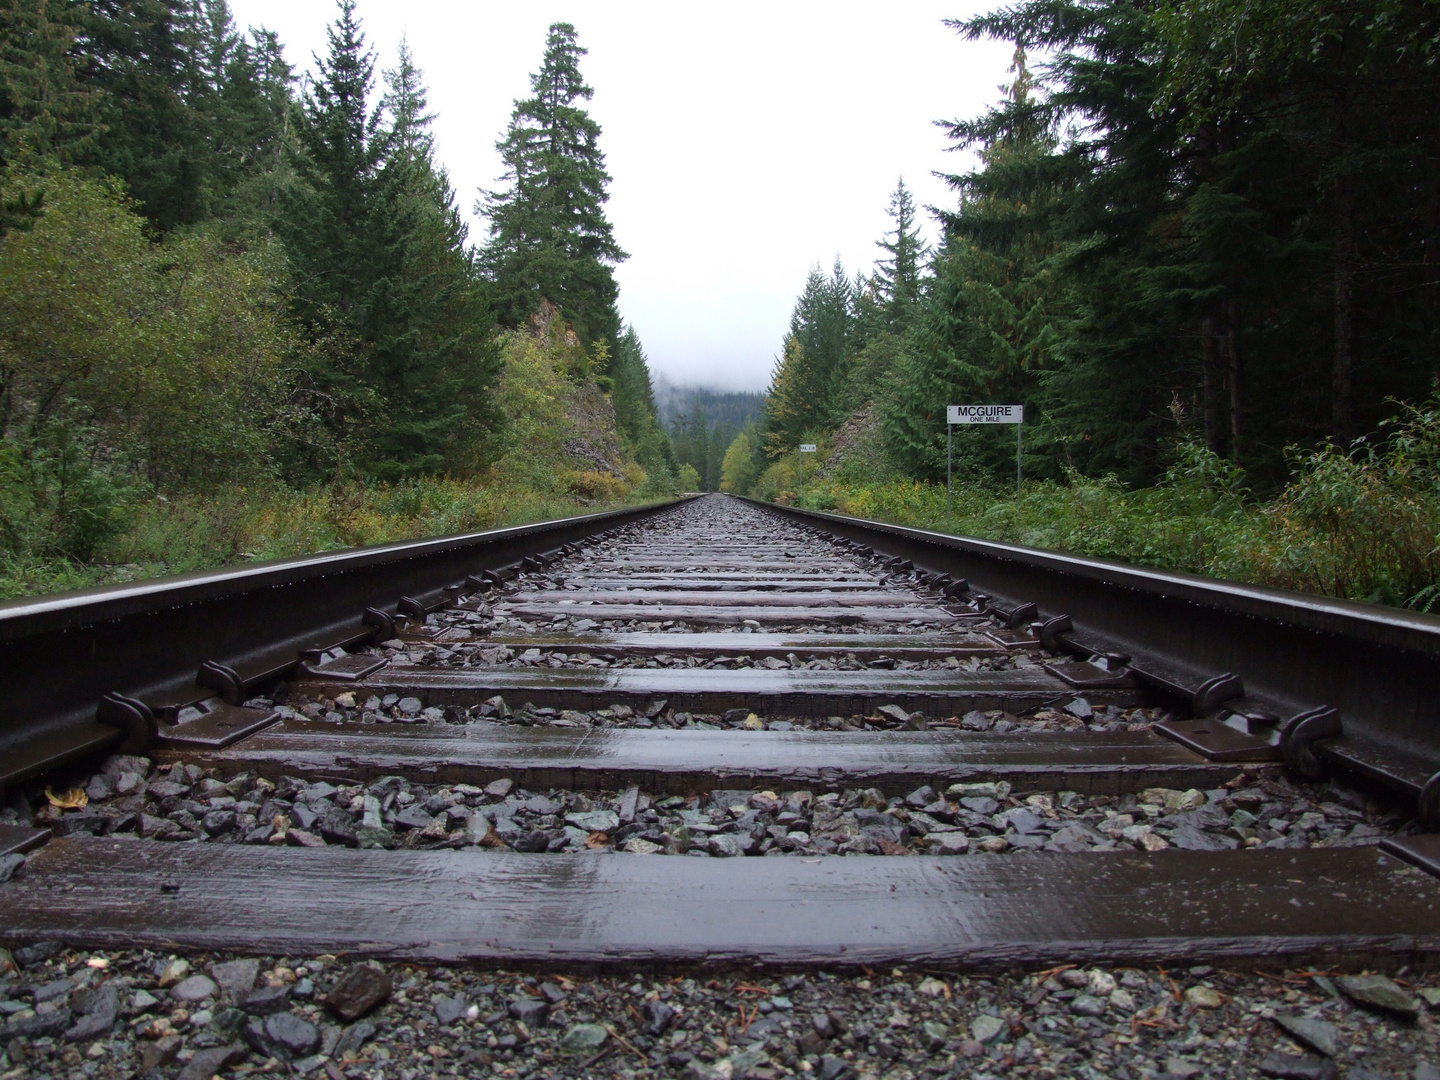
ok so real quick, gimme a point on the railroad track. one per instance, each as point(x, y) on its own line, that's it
point(461, 750)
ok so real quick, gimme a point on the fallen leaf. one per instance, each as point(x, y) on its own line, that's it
point(597, 840)
point(74, 799)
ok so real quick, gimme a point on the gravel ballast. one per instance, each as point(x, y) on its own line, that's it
point(136, 1013)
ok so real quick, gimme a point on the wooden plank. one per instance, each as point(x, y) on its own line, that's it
point(687, 762)
point(755, 598)
point(1348, 907)
point(689, 583)
point(689, 612)
point(786, 692)
point(712, 644)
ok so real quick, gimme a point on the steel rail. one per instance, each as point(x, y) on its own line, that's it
point(1360, 683)
point(59, 655)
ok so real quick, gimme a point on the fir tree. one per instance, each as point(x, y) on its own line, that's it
point(897, 276)
point(45, 112)
point(134, 53)
point(549, 237)
point(380, 252)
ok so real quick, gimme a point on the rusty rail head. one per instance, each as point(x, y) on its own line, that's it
point(1378, 666)
point(60, 654)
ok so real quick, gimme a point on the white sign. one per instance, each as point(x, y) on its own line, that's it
point(807, 448)
point(985, 414)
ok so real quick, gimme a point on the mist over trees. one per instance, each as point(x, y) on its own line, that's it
point(1194, 223)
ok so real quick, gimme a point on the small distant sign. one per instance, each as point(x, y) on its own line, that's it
point(985, 414)
point(807, 448)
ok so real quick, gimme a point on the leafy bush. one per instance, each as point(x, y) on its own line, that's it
point(1361, 523)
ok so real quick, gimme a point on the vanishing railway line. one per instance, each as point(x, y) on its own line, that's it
point(459, 750)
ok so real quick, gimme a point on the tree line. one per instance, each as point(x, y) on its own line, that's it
point(1193, 222)
point(213, 272)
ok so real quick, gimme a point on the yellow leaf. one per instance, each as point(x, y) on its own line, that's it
point(74, 799)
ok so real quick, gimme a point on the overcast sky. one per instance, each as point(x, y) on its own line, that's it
point(746, 141)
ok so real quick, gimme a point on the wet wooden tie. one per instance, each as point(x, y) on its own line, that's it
point(1352, 906)
point(690, 762)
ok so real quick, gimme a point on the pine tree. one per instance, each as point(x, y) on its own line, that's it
point(134, 53)
point(549, 237)
point(45, 112)
point(633, 397)
point(383, 270)
point(808, 390)
point(432, 356)
point(897, 277)
point(343, 144)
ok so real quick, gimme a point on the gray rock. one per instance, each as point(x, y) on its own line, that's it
point(595, 820)
point(33, 954)
point(410, 706)
point(100, 787)
point(195, 988)
point(935, 1035)
point(235, 976)
point(51, 991)
point(948, 843)
point(1080, 708)
point(980, 804)
point(1378, 992)
point(33, 1027)
point(1287, 1067)
point(1024, 821)
point(413, 817)
point(218, 822)
point(98, 1008)
point(283, 1035)
point(985, 1029)
point(528, 1011)
point(448, 1010)
point(1086, 1005)
point(10, 865)
point(206, 1063)
point(354, 1038)
point(657, 1016)
point(264, 1000)
point(725, 846)
point(894, 712)
point(583, 1039)
point(976, 721)
point(1316, 1034)
point(1188, 837)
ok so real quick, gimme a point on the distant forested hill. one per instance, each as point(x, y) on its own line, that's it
point(729, 408)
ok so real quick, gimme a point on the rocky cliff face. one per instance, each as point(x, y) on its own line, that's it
point(594, 442)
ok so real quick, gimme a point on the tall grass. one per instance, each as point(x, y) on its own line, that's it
point(1361, 522)
point(175, 536)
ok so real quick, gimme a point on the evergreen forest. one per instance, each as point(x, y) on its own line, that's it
point(1200, 243)
point(241, 315)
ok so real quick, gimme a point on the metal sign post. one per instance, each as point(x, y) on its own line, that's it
point(805, 448)
point(984, 414)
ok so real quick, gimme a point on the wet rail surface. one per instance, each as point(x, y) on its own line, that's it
point(675, 742)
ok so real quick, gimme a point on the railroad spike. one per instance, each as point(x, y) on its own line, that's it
point(1300, 734)
point(133, 717)
point(223, 679)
